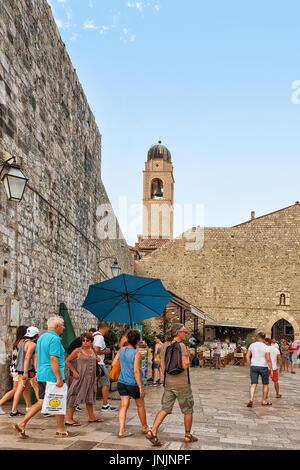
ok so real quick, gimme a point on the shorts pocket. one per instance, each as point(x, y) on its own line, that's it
point(186, 401)
point(168, 400)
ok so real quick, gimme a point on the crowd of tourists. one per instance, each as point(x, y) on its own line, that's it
point(38, 360)
point(266, 357)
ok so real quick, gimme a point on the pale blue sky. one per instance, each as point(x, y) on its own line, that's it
point(212, 78)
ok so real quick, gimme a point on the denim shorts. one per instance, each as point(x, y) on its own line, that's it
point(256, 371)
point(104, 379)
point(294, 358)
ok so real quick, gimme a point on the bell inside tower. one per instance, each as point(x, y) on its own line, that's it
point(157, 190)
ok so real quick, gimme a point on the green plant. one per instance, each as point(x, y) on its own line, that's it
point(148, 334)
point(114, 334)
point(149, 340)
point(248, 339)
point(166, 327)
point(111, 339)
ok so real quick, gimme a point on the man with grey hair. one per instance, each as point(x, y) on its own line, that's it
point(50, 365)
point(177, 385)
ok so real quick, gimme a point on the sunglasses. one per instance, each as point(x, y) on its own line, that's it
point(86, 340)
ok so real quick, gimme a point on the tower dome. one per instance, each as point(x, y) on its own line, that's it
point(159, 151)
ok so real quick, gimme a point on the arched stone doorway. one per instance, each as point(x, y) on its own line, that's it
point(281, 315)
point(282, 329)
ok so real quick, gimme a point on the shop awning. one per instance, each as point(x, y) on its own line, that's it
point(188, 307)
point(200, 314)
point(231, 324)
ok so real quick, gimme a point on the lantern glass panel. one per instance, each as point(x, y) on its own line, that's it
point(115, 269)
point(14, 183)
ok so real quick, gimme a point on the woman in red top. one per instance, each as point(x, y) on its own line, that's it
point(294, 350)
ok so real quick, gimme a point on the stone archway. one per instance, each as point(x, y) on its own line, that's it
point(282, 329)
point(279, 315)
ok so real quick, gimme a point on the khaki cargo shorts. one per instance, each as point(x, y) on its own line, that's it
point(184, 396)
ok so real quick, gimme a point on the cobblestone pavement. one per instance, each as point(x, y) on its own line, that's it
point(221, 419)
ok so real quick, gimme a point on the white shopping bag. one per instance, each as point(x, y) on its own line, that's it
point(55, 401)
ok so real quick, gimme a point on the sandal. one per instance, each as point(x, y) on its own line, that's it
point(279, 396)
point(266, 404)
point(190, 438)
point(153, 439)
point(126, 434)
point(250, 404)
point(145, 432)
point(73, 424)
point(66, 434)
point(20, 431)
point(96, 421)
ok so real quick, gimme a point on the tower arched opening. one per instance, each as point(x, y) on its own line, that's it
point(157, 189)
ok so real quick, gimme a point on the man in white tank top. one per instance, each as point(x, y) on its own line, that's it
point(259, 360)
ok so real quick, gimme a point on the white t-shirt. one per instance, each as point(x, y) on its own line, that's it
point(274, 353)
point(259, 351)
point(99, 341)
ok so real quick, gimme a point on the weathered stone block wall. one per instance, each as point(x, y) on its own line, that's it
point(48, 242)
point(239, 273)
point(287, 216)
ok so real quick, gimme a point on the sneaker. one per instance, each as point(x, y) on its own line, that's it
point(2, 412)
point(78, 408)
point(17, 413)
point(108, 408)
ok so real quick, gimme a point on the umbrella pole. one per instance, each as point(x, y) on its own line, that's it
point(130, 316)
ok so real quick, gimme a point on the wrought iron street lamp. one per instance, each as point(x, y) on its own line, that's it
point(13, 179)
point(115, 268)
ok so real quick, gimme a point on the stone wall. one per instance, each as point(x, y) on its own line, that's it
point(282, 217)
point(239, 273)
point(48, 242)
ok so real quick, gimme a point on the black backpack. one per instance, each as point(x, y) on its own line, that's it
point(173, 360)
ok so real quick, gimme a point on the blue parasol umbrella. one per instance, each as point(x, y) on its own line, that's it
point(127, 299)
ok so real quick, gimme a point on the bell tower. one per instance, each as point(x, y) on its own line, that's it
point(158, 194)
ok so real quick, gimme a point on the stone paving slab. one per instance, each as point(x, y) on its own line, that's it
point(221, 419)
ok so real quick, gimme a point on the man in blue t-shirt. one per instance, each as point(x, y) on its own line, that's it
point(50, 364)
point(50, 360)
